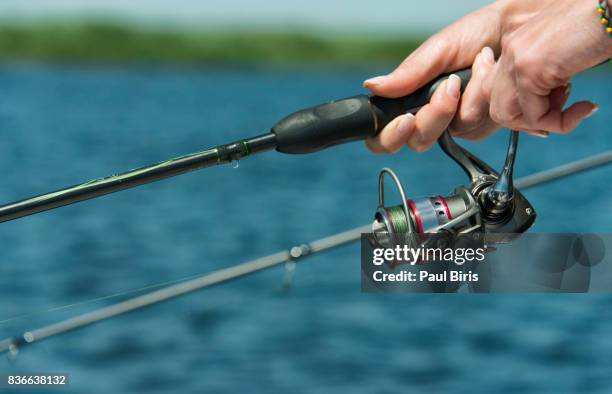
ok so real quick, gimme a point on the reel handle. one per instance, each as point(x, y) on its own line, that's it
point(350, 119)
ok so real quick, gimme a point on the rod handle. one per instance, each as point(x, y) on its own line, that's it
point(350, 119)
point(386, 109)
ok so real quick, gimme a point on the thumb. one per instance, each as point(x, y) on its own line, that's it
point(430, 60)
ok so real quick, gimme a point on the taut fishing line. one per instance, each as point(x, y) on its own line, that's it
point(490, 207)
point(98, 299)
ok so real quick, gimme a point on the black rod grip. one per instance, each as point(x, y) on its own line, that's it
point(386, 109)
point(350, 119)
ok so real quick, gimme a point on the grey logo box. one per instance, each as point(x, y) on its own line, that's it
point(529, 263)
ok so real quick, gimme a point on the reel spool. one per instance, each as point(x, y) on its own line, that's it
point(490, 204)
point(392, 226)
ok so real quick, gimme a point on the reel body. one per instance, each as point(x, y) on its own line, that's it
point(490, 205)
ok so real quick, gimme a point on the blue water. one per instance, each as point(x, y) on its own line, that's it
point(60, 126)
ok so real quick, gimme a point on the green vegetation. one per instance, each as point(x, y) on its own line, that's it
point(115, 43)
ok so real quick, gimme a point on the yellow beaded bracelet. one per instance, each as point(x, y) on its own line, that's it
point(604, 12)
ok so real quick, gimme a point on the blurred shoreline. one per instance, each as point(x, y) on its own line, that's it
point(118, 43)
point(95, 42)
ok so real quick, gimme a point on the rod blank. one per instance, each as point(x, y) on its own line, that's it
point(250, 267)
point(140, 176)
point(565, 170)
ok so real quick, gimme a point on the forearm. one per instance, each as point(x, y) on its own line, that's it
point(583, 40)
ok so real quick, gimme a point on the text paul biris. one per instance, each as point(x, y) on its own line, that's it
point(402, 254)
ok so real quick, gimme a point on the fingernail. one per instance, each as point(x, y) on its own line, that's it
point(595, 109)
point(406, 125)
point(539, 133)
point(375, 81)
point(568, 89)
point(419, 141)
point(453, 86)
point(487, 55)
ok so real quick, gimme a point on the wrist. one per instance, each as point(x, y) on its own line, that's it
point(515, 13)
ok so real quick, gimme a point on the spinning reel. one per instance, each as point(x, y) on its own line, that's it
point(490, 208)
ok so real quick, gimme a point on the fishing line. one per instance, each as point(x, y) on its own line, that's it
point(98, 299)
point(489, 205)
point(12, 344)
point(396, 213)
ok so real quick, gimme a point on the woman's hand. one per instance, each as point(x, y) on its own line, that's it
point(526, 89)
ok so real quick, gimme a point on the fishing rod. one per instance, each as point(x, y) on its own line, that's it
point(306, 131)
point(291, 255)
point(489, 205)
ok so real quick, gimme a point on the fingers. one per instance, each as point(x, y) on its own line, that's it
point(433, 118)
point(485, 130)
point(559, 96)
point(533, 105)
point(394, 135)
point(473, 115)
point(561, 121)
point(517, 103)
point(555, 119)
point(566, 121)
point(504, 106)
point(421, 131)
point(423, 65)
point(451, 49)
point(537, 133)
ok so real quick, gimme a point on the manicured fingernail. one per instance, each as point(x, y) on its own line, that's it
point(595, 109)
point(406, 125)
point(375, 81)
point(539, 133)
point(453, 86)
point(487, 55)
point(422, 139)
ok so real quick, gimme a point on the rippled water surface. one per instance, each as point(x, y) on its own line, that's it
point(60, 126)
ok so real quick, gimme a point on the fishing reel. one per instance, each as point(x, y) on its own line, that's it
point(490, 209)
